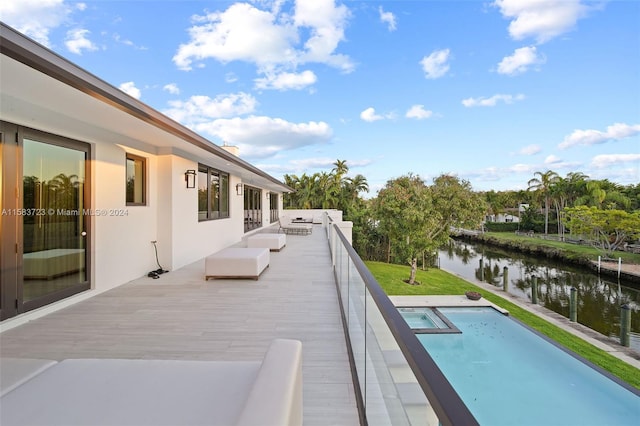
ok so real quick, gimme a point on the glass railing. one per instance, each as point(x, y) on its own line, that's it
point(396, 380)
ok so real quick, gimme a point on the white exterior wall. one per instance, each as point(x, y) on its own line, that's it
point(121, 248)
point(502, 218)
point(192, 240)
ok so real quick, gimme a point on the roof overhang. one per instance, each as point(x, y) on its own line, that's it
point(43, 90)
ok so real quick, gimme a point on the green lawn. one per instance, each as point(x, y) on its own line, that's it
point(438, 282)
point(570, 250)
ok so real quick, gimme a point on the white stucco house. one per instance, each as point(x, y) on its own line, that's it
point(502, 218)
point(94, 182)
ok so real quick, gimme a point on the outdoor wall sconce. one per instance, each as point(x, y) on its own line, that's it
point(190, 178)
point(239, 189)
point(268, 194)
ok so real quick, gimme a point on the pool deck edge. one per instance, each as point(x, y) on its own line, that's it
point(443, 301)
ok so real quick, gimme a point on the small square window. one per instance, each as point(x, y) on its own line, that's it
point(136, 181)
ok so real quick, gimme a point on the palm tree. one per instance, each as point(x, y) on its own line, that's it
point(333, 192)
point(558, 194)
point(290, 200)
point(306, 191)
point(632, 192)
point(340, 168)
point(64, 190)
point(351, 188)
point(495, 202)
point(358, 184)
point(602, 193)
point(543, 184)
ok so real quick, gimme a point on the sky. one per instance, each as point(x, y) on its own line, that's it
point(489, 91)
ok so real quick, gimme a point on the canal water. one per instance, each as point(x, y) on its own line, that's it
point(599, 298)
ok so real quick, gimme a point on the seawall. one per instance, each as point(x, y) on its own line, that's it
point(628, 273)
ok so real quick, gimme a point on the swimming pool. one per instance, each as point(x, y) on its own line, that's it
point(508, 375)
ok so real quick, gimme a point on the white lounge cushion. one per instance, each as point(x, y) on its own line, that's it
point(159, 392)
point(276, 396)
point(132, 392)
point(16, 371)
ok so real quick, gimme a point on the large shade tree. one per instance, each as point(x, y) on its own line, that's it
point(417, 218)
point(606, 229)
point(404, 214)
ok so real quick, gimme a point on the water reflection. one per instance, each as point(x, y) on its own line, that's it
point(599, 299)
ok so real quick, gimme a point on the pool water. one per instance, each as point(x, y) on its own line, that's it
point(508, 375)
point(419, 318)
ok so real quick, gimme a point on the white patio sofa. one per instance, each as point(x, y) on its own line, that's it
point(155, 392)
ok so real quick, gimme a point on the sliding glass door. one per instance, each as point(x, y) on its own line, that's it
point(50, 220)
point(252, 208)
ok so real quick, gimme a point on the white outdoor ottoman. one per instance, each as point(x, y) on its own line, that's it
point(237, 262)
point(274, 242)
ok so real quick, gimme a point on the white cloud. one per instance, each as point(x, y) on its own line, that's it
point(276, 41)
point(35, 18)
point(230, 77)
point(530, 149)
point(202, 109)
point(130, 89)
point(286, 80)
point(260, 137)
point(614, 132)
point(387, 18)
point(418, 112)
point(77, 41)
point(521, 168)
point(499, 174)
point(326, 23)
point(541, 19)
point(118, 38)
point(370, 115)
point(608, 160)
point(255, 136)
point(124, 41)
point(313, 163)
point(299, 166)
point(435, 65)
point(242, 33)
point(520, 61)
point(492, 101)
point(552, 159)
point(172, 88)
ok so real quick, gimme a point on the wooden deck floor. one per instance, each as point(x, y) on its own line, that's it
point(182, 316)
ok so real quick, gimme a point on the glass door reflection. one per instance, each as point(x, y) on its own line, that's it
point(53, 222)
